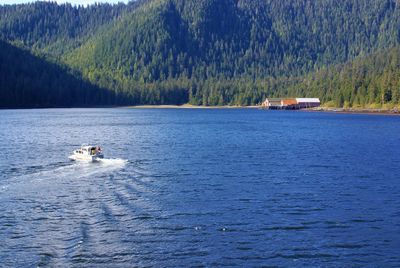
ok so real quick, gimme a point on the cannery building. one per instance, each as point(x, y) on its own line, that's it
point(290, 103)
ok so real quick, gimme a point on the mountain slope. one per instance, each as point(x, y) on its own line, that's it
point(374, 79)
point(171, 40)
point(56, 29)
point(28, 81)
point(208, 51)
point(210, 38)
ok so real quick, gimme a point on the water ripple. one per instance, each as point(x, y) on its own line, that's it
point(243, 188)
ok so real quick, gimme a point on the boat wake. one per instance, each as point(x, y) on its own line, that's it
point(113, 162)
point(63, 172)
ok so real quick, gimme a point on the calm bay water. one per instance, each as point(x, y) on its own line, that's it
point(226, 187)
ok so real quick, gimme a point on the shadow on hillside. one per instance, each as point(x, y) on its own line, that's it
point(27, 81)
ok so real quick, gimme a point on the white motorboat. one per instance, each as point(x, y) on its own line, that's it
point(87, 153)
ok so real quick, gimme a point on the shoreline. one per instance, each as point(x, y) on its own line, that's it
point(318, 109)
point(366, 111)
point(189, 106)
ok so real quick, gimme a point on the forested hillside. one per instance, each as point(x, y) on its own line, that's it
point(374, 79)
point(215, 52)
point(53, 28)
point(28, 81)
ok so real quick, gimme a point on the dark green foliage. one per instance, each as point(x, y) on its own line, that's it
point(368, 80)
point(28, 81)
point(215, 52)
point(56, 28)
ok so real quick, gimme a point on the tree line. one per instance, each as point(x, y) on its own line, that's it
point(218, 52)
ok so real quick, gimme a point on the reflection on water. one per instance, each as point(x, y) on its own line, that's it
point(200, 188)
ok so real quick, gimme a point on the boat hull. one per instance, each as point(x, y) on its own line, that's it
point(86, 158)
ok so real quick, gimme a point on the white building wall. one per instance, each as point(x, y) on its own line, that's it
point(308, 100)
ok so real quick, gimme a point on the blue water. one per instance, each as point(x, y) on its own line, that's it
point(191, 187)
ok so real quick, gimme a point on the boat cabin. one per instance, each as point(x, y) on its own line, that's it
point(88, 150)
